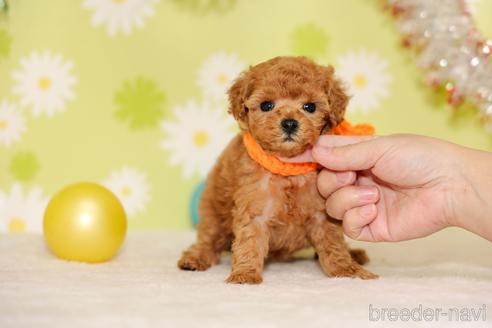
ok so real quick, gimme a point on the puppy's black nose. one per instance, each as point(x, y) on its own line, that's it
point(289, 125)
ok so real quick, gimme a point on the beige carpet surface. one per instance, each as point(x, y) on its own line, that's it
point(143, 288)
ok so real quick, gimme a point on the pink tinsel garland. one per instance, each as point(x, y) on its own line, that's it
point(449, 49)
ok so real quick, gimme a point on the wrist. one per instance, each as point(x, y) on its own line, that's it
point(472, 195)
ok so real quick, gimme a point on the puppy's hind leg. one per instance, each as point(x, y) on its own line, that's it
point(214, 236)
point(358, 255)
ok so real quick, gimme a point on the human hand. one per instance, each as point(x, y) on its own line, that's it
point(400, 187)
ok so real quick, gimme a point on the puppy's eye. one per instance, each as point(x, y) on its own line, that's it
point(309, 107)
point(267, 106)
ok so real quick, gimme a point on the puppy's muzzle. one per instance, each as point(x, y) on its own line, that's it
point(289, 126)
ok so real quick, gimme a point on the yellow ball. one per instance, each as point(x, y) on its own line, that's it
point(84, 222)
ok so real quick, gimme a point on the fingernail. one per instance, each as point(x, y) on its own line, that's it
point(367, 193)
point(345, 177)
point(367, 211)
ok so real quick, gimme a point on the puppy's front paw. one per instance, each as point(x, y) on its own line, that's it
point(244, 278)
point(353, 270)
point(191, 262)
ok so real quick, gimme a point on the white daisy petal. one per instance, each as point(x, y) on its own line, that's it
point(367, 78)
point(175, 159)
point(188, 170)
point(12, 124)
point(44, 83)
point(196, 137)
point(22, 212)
point(120, 16)
point(217, 73)
point(131, 187)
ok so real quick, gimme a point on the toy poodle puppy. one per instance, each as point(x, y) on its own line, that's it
point(258, 206)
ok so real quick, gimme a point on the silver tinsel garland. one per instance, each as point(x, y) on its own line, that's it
point(449, 49)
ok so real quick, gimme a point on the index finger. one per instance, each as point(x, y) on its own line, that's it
point(326, 141)
point(338, 141)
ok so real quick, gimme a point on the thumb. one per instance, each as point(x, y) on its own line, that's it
point(325, 141)
point(305, 157)
point(342, 153)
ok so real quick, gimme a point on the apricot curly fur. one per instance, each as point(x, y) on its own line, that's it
point(256, 213)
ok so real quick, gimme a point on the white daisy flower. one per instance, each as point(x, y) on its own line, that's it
point(12, 124)
point(22, 212)
point(217, 73)
point(196, 137)
point(131, 187)
point(367, 78)
point(44, 82)
point(120, 15)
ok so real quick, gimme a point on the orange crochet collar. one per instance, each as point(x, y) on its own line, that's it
point(276, 166)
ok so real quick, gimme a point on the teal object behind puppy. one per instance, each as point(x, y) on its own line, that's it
point(195, 201)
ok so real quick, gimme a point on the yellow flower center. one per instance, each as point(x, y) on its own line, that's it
point(360, 81)
point(126, 191)
point(44, 83)
point(3, 124)
point(16, 225)
point(200, 138)
point(119, 2)
point(222, 78)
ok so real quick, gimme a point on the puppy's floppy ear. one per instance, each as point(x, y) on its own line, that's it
point(238, 94)
point(337, 98)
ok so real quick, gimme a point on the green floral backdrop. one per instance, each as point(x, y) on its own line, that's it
point(131, 93)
